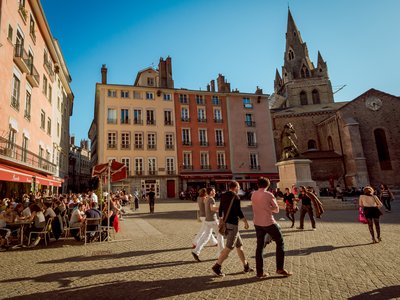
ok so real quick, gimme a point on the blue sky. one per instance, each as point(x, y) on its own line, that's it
point(243, 40)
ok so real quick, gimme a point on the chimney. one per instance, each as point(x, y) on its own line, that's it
point(208, 87)
point(212, 85)
point(162, 72)
point(72, 138)
point(104, 74)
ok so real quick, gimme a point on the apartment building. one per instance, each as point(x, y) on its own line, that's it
point(135, 125)
point(79, 171)
point(36, 102)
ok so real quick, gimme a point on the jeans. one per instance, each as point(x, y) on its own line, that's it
point(276, 234)
point(386, 203)
point(304, 210)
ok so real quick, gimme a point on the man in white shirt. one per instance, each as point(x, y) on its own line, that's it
point(93, 198)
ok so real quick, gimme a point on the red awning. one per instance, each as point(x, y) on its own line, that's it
point(40, 179)
point(14, 174)
point(117, 171)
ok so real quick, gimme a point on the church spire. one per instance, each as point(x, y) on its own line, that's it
point(292, 33)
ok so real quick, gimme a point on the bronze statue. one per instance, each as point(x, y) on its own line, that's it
point(289, 148)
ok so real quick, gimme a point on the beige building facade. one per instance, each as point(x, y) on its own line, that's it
point(33, 77)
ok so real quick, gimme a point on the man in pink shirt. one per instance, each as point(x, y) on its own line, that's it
point(264, 205)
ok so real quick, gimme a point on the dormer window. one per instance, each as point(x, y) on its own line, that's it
point(150, 81)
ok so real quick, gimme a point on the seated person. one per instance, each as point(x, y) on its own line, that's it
point(92, 213)
point(39, 221)
point(4, 232)
point(76, 221)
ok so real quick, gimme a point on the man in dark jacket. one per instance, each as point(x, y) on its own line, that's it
point(233, 239)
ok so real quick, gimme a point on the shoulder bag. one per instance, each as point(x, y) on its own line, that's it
point(222, 224)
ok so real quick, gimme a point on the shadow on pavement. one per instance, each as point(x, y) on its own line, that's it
point(385, 293)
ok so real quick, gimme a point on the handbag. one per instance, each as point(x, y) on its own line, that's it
point(361, 216)
point(222, 224)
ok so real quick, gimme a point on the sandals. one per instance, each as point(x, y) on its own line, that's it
point(284, 273)
point(262, 276)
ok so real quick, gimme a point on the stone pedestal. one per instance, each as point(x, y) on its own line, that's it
point(295, 171)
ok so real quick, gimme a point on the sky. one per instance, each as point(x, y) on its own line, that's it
point(243, 40)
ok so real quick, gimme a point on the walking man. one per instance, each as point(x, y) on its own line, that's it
point(306, 208)
point(233, 238)
point(264, 206)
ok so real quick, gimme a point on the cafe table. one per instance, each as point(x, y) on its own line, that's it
point(22, 224)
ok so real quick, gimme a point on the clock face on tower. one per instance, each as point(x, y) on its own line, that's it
point(373, 103)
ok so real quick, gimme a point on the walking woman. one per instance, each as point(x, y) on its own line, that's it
point(291, 207)
point(371, 206)
point(386, 197)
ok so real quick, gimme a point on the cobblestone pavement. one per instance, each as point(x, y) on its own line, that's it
point(152, 260)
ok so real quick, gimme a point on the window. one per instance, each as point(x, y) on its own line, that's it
point(330, 143)
point(170, 165)
point(150, 81)
point(219, 137)
point(215, 100)
point(12, 136)
point(42, 119)
point(149, 95)
point(150, 117)
point(138, 166)
point(303, 98)
point(254, 161)
point(125, 140)
point(151, 141)
point(127, 162)
point(290, 54)
point(382, 149)
point(112, 116)
point(217, 115)
point(124, 94)
point(167, 97)
point(315, 97)
point(44, 87)
point(168, 117)
point(221, 160)
point(58, 103)
point(183, 99)
point(49, 96)
point(169, 141)
point(187, 160)
point(124, 116)
point(152, 166)
point(186, 140)
point(137, 116)
point(199, 100)
point(48, 126)
point(201, 114)
point(32, 29)
point(16, 84)
point(185, 114)
point(25, 141)
point(203, 137)
point(41, 150)
point(112, 140)
point(204, 160)
point(304, 72)
point(249, 120)
point(247, 103)
point(58, 129)
point(138, 140)
point(112, 93)
point(312, 145)
point(251, 139)
point(10, 33)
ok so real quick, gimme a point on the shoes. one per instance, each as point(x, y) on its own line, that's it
point(262, 276)
point(196, 257)
point(283, 272)
point(247, 268)
point(300, 228)
point(193, 246)
point(217, 270)
point(35, 243)
point(374, 241)
point(379, 239)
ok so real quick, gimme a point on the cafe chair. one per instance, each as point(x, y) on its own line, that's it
point(45, 232)
point(92, 226)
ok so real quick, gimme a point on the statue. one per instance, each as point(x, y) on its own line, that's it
point(289, 148)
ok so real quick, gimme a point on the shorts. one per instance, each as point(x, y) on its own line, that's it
point(233, 238)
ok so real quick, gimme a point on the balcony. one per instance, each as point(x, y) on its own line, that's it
point(186, 143)
point(139, 146)
point(10, 151)
point(220, 144)
point(151, 147)
point(202, 120)
point(203, 143)
point(152, 172)
point(48, 66)
point(222, 167)
point(111, 146)
point(125, 146)
point(137, 122)
point(187, 167)
point(218, 121)
point(151, 122)
point(125, 121)
point(252, 144)
point(168, 122)
point(169, 147)
point(250, 123)
point(205, 167)
point(185, 119)
point(255, 167)
point(21, 58)
point(171, 172)
point(33, 76)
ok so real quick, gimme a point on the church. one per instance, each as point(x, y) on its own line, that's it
point(351, 144)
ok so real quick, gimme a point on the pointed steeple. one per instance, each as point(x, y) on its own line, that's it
point(292, 32)
point(277, 82)
point(321, 62)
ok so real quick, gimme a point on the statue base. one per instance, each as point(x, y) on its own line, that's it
point(295, 172)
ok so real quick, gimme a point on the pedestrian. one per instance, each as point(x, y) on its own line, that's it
point(371, 206)
point(136, 201)
point(210, 224)
point(151, 197)
point(202, 216)
point(233, 238)
point(291, 207)
point(264, 206)
point(386, 197)
point(306, 208)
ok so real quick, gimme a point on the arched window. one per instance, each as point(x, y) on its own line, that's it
point(303, 98)
point(304, 72)
point(315, 97)
point(291, 54)
point(330, 143)
point(311, 145)
point(382, 149)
